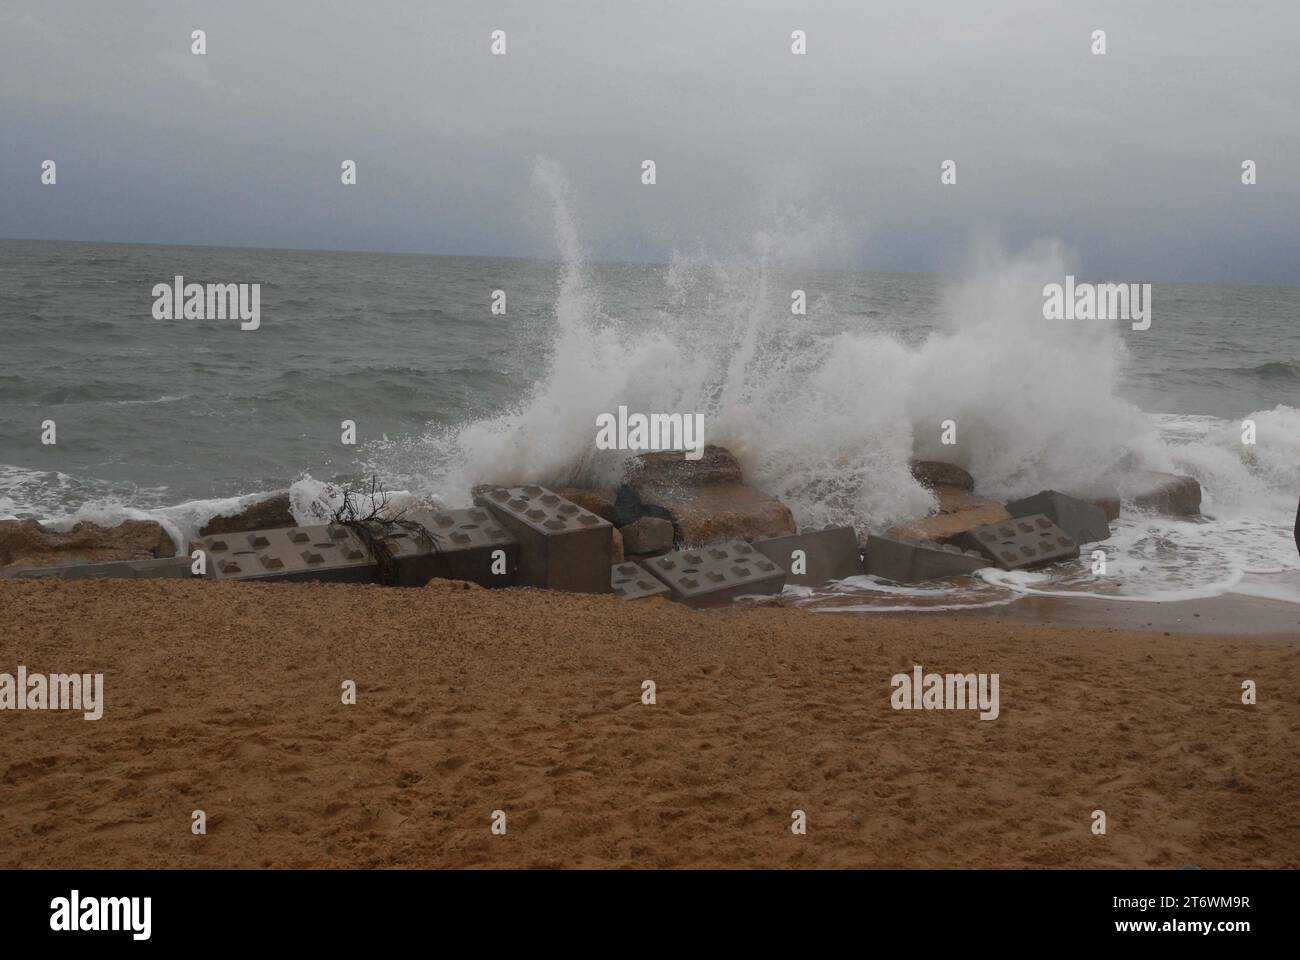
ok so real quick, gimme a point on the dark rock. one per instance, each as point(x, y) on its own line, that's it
point(648, 535)
point(269, 514)
point(671, 468)
point(936, 473)
point(1165, 493)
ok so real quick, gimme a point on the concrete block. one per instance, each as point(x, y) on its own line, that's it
point(631, 582)
point(174, 568)
point(915, 561)
point(561, 545)
point(466, 545)
point(716, 574)
point(330, 553)
point(1082, 522)
point(940, 561)
point(1023, 542)
point(830, 554)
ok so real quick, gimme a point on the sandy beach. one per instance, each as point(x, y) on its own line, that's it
point(226, 697)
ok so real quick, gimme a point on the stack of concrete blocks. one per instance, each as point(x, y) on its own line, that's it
point(915, 561)
point(1083, 522)
point(561, 545)
point(716, 574)
point(1022, 543)
point(815, 558)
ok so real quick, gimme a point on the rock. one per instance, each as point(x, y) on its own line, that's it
point(617, 553)
point(706, 499)
point(959, 511)
point(599, 500)
point(29, 543)
point(1165, 493)
point(723, 511)
point(648, 535)
point(936, 473)
point(450, 586)
point(671, 468)
point(629, 508)
point(268, 514)
point(1099, 495)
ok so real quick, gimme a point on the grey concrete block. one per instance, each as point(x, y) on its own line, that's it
point(466, 545)
point(631, 582)
point(716, 574)
point(174, 568)
point(1022, 543)
point(1082, 522)
point(916, 561)
point(561, 545)
point(330, 552)
point(830, 554)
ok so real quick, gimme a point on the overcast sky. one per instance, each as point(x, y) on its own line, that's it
point(1132, 159)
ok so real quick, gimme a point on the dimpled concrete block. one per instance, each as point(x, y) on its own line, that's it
point(915, 561)
point(630, 582)
point(561, 545)
point(889, 558)
point(1082, 522)
point(716, 574)
point(830, 554)
point(1023, 542)
point(174, 568)
point(940, 561)
point(331, 552)
point(470, 545)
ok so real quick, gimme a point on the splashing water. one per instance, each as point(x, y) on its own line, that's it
point(825, 411)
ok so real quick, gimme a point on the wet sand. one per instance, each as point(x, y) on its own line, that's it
point(226, 698)
point(1227, 615)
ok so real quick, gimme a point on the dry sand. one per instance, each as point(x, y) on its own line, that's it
point(226, 698)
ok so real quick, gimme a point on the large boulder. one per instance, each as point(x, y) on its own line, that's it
point(1102, 495)
point(959, 512)
point(268, 514)
point(1165, 493)
point(30, 544)
point(936, 473)
point(724, 511)
point(706, 499)
point(671, 468)
point(648, 535)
